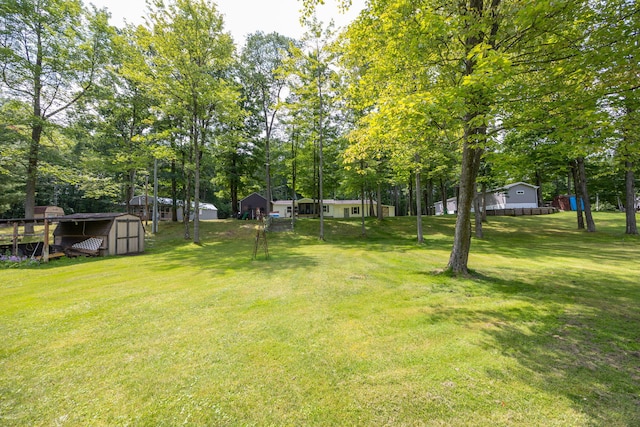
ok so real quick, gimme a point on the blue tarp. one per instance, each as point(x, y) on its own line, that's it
point(574, 205)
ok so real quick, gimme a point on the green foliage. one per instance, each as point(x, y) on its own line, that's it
point(183, 61)
point(313, 110)
point(461, 92)
point(51, 54)
point(14, 139)
point(264, 86)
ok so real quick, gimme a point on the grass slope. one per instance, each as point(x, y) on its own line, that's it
point(350, 331)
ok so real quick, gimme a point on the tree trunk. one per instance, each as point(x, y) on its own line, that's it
point(32, 175)
point(362, 214)
point(36, 135)
point(379, 202)
point(411, 204)
point(196, 179)
point(591, 225)
point(428, 197)
point(233, 186)
point(462, 237)
point(174, 192)
point(539, 189)
point(443, 194)
point(294, 173)
point(186, 207)
point(484, 201)
point(267, 154)
point(577, 187)
point(131, 189)
point(630, 190)
point(419, 208)
point(477, 213)
point(320, 159)
point(371, 208)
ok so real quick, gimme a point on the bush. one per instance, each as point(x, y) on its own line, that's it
point(13, 261)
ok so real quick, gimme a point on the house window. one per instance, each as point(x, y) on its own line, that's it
point(288, 209)
point(325, 208)
point(520, 192)
point(355, 210)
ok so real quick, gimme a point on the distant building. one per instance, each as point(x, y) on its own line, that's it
point(332, 208)
point(516, 195)
point(100, 234)
point(251, 204)
point(142, 206)
point(512, 196)
point(41, 212)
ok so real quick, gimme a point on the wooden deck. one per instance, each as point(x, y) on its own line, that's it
point(521, 211)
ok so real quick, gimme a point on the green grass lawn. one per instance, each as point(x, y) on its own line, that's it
point(350, 331)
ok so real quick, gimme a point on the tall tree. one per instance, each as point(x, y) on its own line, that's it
point(629, 151)
point(313, 84)
point(123, 128)
point(264, 83)
point(14, 139)
point(51, 52)
point(189, 58)
point(614, 44)
point(472, 59)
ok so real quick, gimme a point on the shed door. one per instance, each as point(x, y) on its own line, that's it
point(127, 236)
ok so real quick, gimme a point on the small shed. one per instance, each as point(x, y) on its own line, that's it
point(141, 204)
point(206, 211)
point(41, 212)
point(249, 204)
point(100, 234)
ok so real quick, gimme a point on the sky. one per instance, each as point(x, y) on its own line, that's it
point(243, 17)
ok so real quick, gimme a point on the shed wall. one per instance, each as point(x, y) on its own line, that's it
point(126, 236)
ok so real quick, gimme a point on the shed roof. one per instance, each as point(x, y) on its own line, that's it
point(43, 209)
point(253, 195)
point(91, 216)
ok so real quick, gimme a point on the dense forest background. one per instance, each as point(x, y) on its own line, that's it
point(417, 100)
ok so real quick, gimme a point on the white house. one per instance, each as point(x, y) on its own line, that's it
point(332, 208)
point(452, 206)
point(516, 195)
point(165, 204)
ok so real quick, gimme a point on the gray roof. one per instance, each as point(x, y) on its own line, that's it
point(90, 216)
point(508, 186)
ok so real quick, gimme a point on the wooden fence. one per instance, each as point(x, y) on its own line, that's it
point(18, 240)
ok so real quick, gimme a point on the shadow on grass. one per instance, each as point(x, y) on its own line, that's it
point(541, 237)
point(572, 339)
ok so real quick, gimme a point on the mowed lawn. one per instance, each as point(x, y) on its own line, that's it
point(348, 332)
